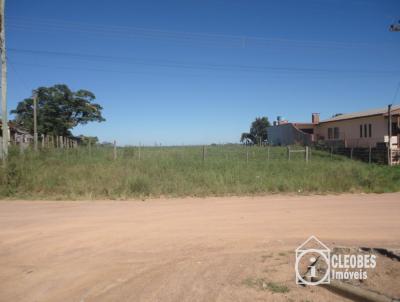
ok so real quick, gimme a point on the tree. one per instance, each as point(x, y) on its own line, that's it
point(85, 140)
point(258, 132)
point(58, 110)
point(246, 138)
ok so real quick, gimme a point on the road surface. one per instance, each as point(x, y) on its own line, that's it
point(191, 249)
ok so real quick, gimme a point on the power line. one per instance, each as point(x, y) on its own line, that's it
point(163, 74)
point(205, 66)
point(396, 92)
point(198, 37)
point(98, 69)
point(18, 76)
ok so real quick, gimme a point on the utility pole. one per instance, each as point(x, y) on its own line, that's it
point(390, 134)
point(3, 82)
point(390, 123)
point(35, 134)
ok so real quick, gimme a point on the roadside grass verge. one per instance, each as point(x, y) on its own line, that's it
point(181, 171)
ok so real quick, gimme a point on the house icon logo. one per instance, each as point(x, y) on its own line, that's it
point(308, 255)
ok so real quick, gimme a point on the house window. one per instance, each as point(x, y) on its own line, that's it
point(336, 133)
point(365, 130)
point(330, 133)
point(396, 127)
point(369, 130)
point(360, 130)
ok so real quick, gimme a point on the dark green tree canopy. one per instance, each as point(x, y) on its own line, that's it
point(258, 132)
point(58, 110)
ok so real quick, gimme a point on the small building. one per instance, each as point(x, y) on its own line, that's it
point(284, 133)
point(17, 135)
point(366, 129)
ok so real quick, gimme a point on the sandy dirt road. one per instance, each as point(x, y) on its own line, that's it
point(179, 249)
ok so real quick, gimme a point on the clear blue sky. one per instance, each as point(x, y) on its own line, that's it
point(194, 72)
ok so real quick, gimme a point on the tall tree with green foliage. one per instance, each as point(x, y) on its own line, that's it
point(258, 132)
point(59, 109)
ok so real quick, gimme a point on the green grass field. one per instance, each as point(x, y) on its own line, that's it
point(181, 171)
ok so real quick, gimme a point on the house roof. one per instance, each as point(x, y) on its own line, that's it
point(304, 125)
point(347, 116)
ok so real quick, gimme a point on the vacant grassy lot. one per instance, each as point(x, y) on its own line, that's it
point(181, 171)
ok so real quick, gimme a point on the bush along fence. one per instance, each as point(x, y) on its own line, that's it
point(380, 155)
point(43, 142)
point(48, 142)
point(51, 142)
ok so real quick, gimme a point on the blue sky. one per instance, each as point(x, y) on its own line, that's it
point(196, 72)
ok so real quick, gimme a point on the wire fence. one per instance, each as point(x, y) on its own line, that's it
point(207, 153)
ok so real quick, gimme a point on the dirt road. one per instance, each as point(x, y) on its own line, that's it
point(179, 249)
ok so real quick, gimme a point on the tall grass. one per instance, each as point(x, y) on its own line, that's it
point(181, 171)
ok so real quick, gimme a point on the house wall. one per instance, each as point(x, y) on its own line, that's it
point(287, 134)
point(349, 131)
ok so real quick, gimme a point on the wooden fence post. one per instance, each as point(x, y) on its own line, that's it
point(369, 155)
point(115, 150)
point(90, 147)
point(204, 153)
point(306, 151)
point(351, 153)
point(43, 137)
point(61, 142)
point(268, 153)
point(139, 152)
point(288, 152)
point(247, 154)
